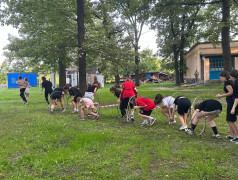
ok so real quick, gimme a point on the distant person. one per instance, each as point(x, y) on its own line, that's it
point(73, 91)
point(88, 104)
point(117, 93)
point(27, 92)
point(22, 86)
point(47, 85)
point(128, 90)
point(57, 94)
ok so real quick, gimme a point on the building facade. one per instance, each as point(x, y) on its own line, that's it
point(205, 61)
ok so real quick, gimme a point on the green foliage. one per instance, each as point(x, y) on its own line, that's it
point(3, 73)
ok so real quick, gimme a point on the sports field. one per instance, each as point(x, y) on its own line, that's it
point(35, 144)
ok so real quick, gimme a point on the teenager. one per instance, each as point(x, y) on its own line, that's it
point(88, 104)
point(27, 92)
point(167, 107)
point(73, 91)
point(209, 109)
point(183, 105)
point(230, 118)
point(57, 94)
point(146, 107)
point(117, 93)
point(128, 90)
point(91, 91)
point(22, 86)
point(47, 85)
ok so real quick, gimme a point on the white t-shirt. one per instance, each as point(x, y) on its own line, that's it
point(168, 100)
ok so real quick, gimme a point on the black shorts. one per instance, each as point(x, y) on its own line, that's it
point(183, 106)
point(76, 97)
point(124, 103)
point(55, 96)
point(147, 113)
point(230, 117)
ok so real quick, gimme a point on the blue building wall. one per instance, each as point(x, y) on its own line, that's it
point(13, 77)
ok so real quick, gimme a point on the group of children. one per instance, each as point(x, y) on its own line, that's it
point(209, 109)
point(24, 88)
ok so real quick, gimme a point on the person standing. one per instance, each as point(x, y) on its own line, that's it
point(27, 92)
point(47, 85)
point(22, 86)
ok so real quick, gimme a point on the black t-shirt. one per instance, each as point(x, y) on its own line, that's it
point(235, 90)
point(47, 85)
point(73, 91)
point(228, 98)
point(117, 94)
point(210, 105)
point(58, 91)
point(91, 88)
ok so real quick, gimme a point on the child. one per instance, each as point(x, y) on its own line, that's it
point(183, 105)
point(167, 107)
point(230, 118)
point(47, 85)
point(117, 93)
point(22, 87)
point(91, 91)
point(57, 94)
point(73, 91)
point(146, 107)
point(128, 90)
point(88, 103)
point(27, 88)
point(209, 109)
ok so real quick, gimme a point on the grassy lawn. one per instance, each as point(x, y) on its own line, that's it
point(37, 145)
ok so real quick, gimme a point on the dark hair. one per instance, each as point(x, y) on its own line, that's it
point(114, 89)
point(197, 105)
point(225, 74)
point(43, 78)
point(66, 87)
point(26, 79)
point(133, 101)
point(19, 77)
point(158, 99)
point(234, 74)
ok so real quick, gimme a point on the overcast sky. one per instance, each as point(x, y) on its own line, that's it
point(148, 39)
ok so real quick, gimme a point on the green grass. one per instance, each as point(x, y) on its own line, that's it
point(37, 145)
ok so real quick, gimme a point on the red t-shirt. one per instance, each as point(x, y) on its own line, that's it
point(128, 90)
point(144, 101)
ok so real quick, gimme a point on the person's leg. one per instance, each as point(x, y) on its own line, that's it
point(232, 133)
point(165, 112)
point(22, 94)
point(74, 104)
point(61, 102)
point(212, 123)
point(123, 112)
point(53, 104)
point(27, 96)
point(46, 97)
point(82, 112)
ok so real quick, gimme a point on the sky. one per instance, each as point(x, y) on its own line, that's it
point(148, 39)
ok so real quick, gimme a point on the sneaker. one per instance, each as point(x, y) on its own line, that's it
point(48, 105)
point(82, 119)
point(75, 112)
point(25, 102)
point(132, 117)
point(145, 123)
point(189, 131)
point(152, 121)
point(216, 136)
point(64, 109)
point(51, 111)
point(96, 117)
point(182, 128)
point(89, 115)
point(235, 139)
point(128, 119)
point(172, 122)
point(229, 137)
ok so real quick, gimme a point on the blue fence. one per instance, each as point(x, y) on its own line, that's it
point(13, 77)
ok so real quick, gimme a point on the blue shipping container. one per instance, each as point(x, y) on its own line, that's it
point(13, 77)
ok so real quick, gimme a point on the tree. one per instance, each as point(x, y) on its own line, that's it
point(3, 72)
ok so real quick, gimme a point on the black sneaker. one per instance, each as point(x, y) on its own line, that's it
point(235, 139)
point(229, 137)
point(96, 117)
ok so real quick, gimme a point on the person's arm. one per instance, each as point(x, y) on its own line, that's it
point(136, 107)
point(230, 92)
point(234, 106)
point(173, 113)
point(168, 107)
point(195, 113)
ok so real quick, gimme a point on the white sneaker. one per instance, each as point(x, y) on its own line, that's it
point(144, 123)
point(132, 117)
point(216, 136)
point(183, 128)
point(172, 122)
point(152, 120)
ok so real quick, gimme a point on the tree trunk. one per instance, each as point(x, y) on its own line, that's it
point(117, 81)
point(176, 65)
point(137, 60)
point(81, 52)
point(181, 64)
point(62, 74)
point(226, 35)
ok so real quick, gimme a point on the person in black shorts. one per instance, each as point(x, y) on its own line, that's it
point(209, 109)
point(73, 91)
point(230, 118)
point(183, 105)
point(117, 93)
point(57, 94)
point(47, 85)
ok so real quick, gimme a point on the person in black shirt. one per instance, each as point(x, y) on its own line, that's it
point(209, 109)
point(117, 93)
point(57, 94)
point(47, 85)
point(230, 118)
point(183, 105)
point(91, 91)
point(73, 91)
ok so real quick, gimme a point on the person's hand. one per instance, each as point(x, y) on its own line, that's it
point(118, 100)
point(218, 96)
point(233, 111)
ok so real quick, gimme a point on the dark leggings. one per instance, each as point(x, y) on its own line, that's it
point(123, 111)
point(22, 94)
point(46, 96)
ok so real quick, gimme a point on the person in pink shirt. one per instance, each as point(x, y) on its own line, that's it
point(22, 86)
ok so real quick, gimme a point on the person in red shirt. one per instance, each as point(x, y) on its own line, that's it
point(128, 90)
point(146, 107)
